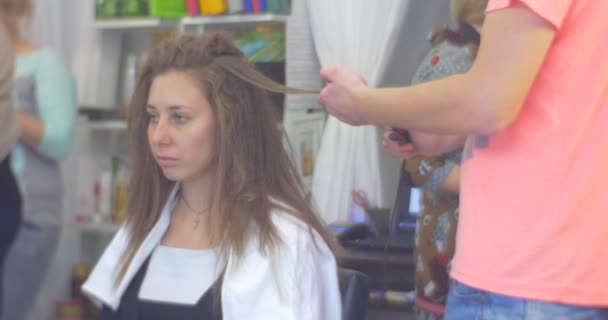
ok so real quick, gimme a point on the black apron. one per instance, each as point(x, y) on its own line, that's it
point(132, 308)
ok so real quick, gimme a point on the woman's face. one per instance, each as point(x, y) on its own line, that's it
point(181, 129)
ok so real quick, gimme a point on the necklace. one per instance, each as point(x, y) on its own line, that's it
point(197, 220)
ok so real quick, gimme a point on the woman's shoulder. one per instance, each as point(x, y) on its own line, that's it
point(295, 233)
point(290, 227)
point(298, 243)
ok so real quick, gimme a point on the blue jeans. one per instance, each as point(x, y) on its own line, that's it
point(467, 303)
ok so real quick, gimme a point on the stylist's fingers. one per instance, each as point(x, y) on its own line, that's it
point(395, 136)
point(386, 137)
point(409, 153)
point(343, 76)
point(363, 80)
point(396, 150)
point(405, 152)
point(388, 140)
point(328, 74)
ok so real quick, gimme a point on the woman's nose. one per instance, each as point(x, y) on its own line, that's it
point(160, 133)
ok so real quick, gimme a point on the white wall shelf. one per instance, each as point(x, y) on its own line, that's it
point(93, 239)
point(234, 19)
point(109, 125)
point(156, 23)
point(134, 23)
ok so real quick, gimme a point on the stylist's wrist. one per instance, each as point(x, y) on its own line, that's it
point(363, 105)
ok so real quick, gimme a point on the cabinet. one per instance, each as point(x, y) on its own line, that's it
point(95, 144)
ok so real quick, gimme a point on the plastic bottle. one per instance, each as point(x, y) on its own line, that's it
point(213, 7)
point(104, 198)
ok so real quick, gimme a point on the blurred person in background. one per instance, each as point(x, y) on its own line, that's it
point(45, 100)
point(10, 199)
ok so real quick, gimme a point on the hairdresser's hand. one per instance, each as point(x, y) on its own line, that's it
point(396, 148)
point(341, 95)
point(433, 145)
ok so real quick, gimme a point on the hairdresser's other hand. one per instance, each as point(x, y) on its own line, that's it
point(342, 94)
point(396, 148)
point(432, 145)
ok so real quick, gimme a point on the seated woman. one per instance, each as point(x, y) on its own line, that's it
point(218, 225)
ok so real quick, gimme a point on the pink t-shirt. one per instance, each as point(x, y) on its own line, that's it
point(534, 207)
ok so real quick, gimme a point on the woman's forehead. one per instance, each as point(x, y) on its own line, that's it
point(174, 90)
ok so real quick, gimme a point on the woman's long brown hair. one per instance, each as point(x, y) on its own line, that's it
point(254, 172)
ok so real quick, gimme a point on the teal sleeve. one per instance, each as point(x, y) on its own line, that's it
point(56, 97)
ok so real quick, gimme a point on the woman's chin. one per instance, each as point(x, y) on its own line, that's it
point(183, 175)
point(173, 175)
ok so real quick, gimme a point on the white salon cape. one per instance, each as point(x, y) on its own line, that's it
point(300, 282)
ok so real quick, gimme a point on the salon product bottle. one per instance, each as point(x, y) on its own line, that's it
point(213, 7)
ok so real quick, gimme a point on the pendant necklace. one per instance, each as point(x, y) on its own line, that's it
point(197, 220)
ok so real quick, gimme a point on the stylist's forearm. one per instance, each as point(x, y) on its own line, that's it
point(424, 107)
point(484, 100)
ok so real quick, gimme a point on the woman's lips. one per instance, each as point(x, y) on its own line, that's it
point(166, 162)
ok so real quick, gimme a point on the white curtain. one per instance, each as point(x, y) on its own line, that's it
point(66, 26)
point(301, 62)
point(53, 27)
point(96, 59)
point(360, 35)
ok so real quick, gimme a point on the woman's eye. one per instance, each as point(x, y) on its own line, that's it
point(180, 118)
point(153, 118)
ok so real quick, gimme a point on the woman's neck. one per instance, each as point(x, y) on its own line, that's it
point(197, 193)
point(190, 225)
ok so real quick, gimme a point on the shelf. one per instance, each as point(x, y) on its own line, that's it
point(109, 125)
point(235, 19)
point(134, 23)
point(157, 23)
point(98, 228)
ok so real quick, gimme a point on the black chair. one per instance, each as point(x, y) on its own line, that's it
point(354, 289)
